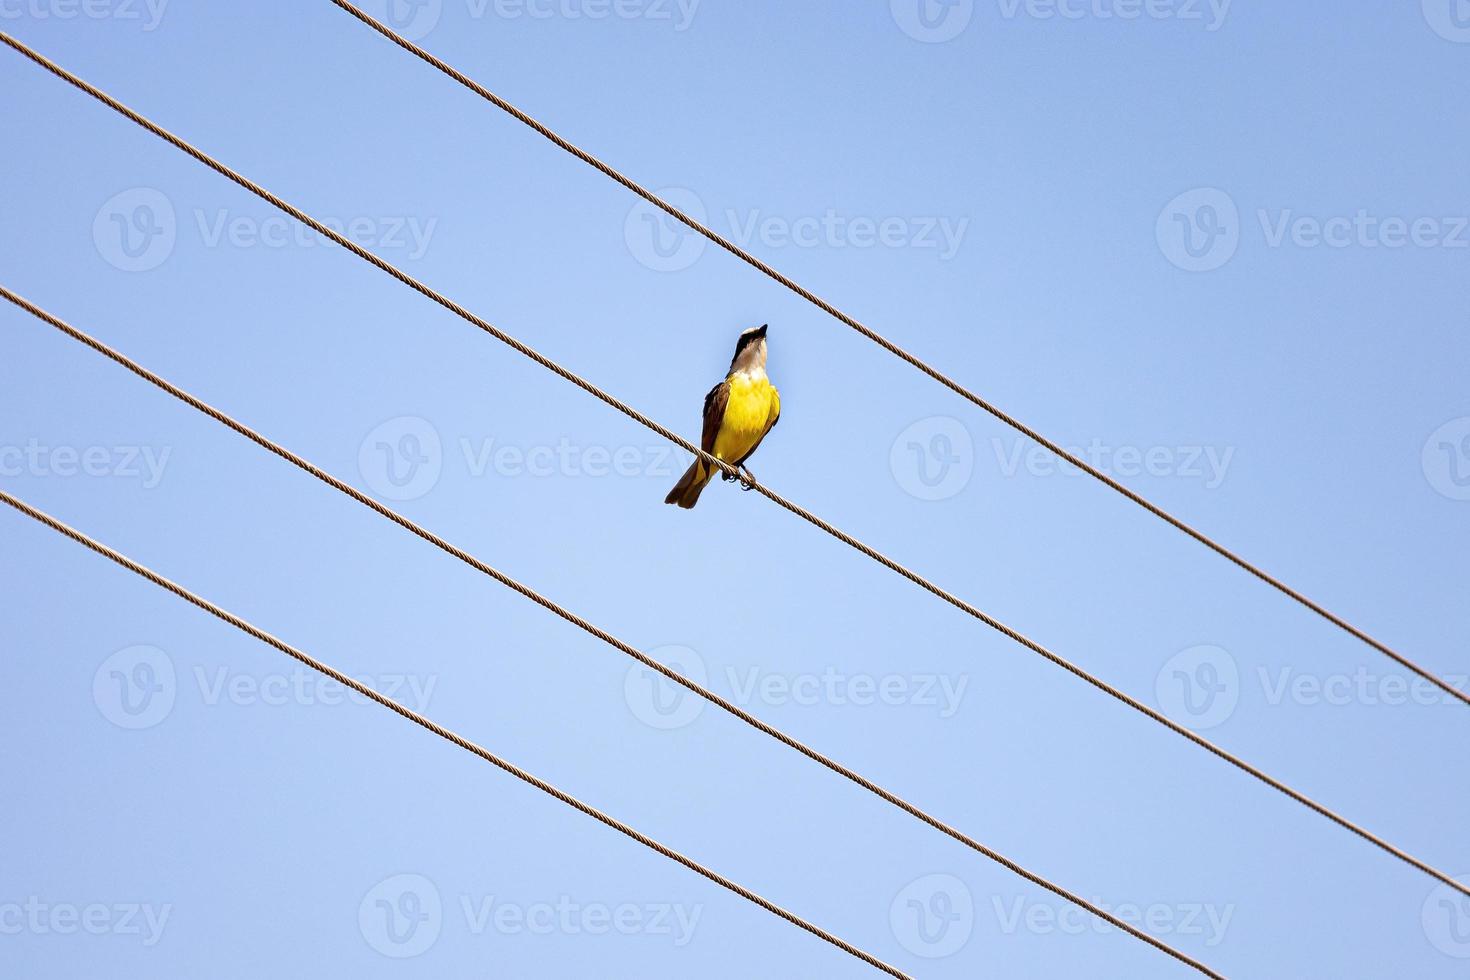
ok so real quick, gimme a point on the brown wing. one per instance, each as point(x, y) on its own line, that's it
point(714, 414)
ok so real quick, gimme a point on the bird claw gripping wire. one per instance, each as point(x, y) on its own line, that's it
point(742, 475)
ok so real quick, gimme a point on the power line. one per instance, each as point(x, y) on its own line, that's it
point(894, 349)
point(796, 509)
point(441, 731)
point(448, 548)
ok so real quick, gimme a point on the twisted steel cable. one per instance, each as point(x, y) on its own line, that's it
point(448, 548)
point(442, 732)
point(776, 498)
point(892, 348)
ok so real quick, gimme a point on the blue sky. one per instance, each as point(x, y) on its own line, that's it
point(1221, 248)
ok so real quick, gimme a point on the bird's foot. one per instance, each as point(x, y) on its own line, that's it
point(747, 479)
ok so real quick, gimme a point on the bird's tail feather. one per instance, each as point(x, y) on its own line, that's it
point(686, 492)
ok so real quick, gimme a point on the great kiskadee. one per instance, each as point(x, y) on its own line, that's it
point(738, 412)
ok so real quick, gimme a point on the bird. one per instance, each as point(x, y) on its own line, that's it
point(738, 412)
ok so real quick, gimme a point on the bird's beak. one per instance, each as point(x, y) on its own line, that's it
point(762, 331)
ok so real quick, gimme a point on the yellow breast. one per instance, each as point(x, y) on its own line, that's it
point(747, 416)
